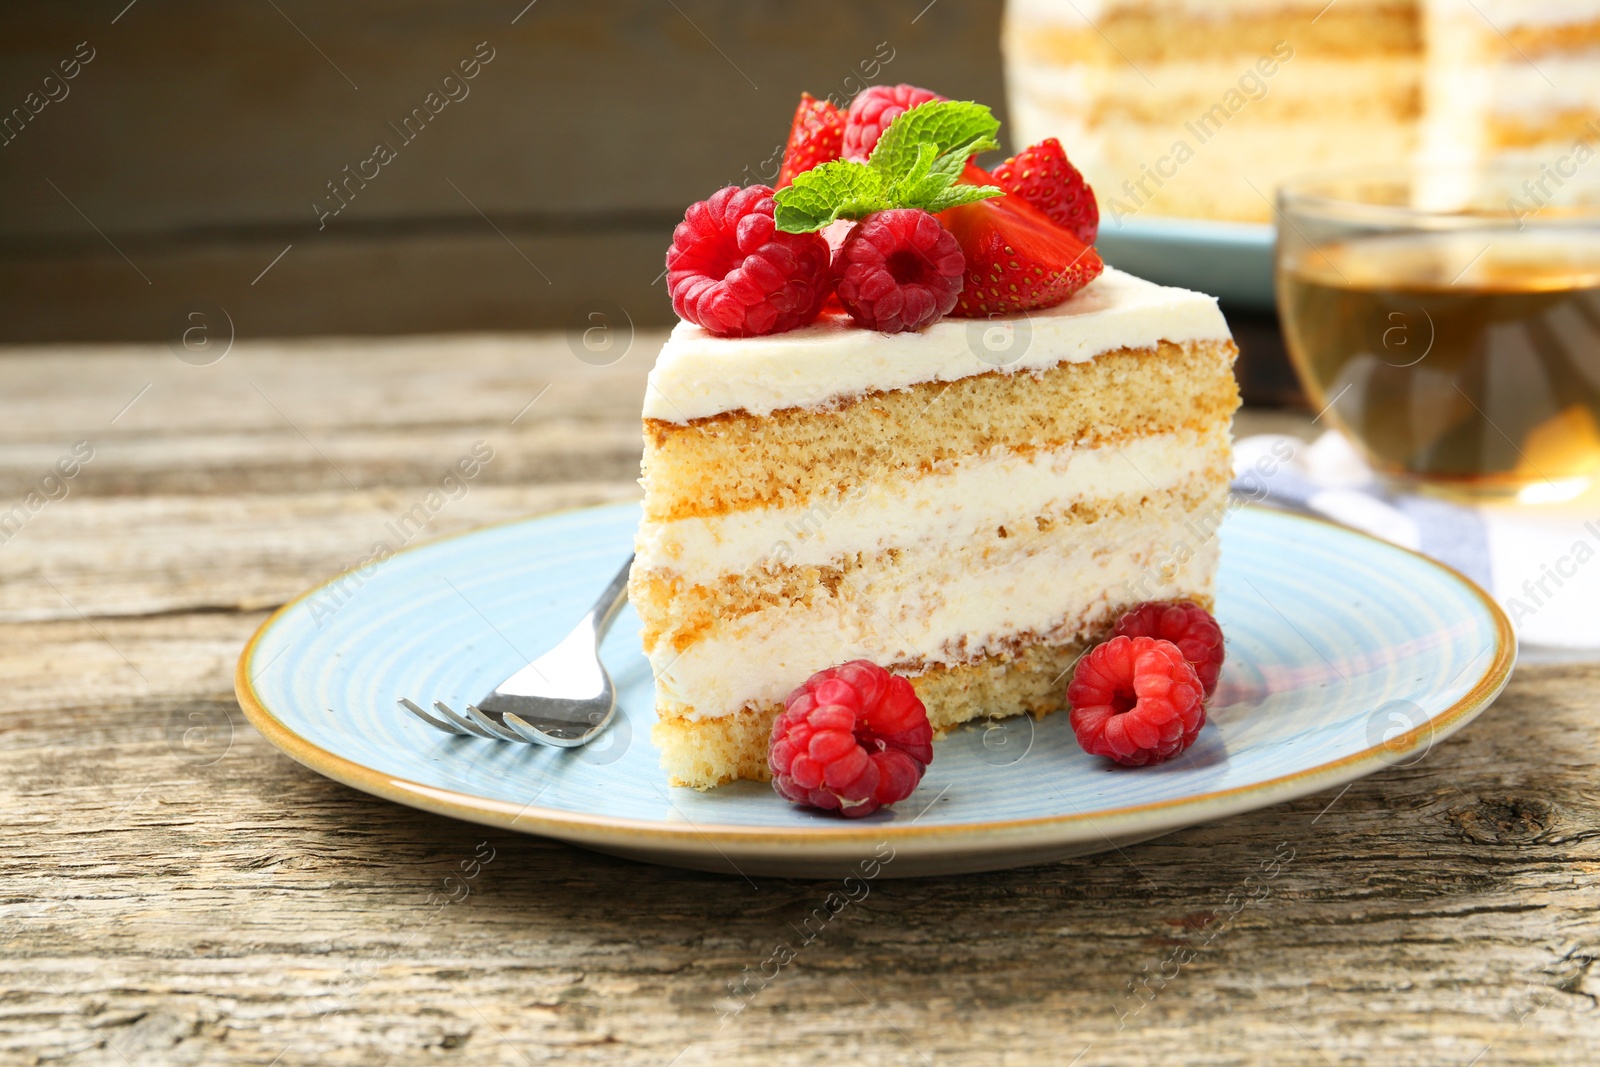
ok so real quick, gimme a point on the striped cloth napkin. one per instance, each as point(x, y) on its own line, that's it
point(1540, 561)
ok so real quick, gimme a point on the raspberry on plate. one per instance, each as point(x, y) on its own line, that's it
point(732, 272)
point(1043, 177)
point(899, 270)
point(851, 739)
point(1136, 700)
point(871, 112)
point(1187, 625)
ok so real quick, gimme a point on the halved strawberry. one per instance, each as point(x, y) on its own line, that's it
point(1043, 177)
point(816, 136)
point(1018, 259)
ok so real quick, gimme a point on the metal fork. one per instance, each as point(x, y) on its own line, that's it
point(564, 698)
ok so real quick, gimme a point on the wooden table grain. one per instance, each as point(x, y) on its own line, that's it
point(176, 891)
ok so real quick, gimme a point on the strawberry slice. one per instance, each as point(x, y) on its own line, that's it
point(1042, 176)
point(816, 136)
point(1018, 259)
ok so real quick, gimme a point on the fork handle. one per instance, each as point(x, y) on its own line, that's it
point(611, 600)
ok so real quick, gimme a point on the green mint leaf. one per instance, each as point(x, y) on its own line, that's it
point(917, 163)
point(833, 191)
point(915, 191)
point(931, 184)
point(921, 166)
point(956, 195)
point(952, 164)
point(957, 128)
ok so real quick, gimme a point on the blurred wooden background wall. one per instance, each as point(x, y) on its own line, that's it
point(187, 154)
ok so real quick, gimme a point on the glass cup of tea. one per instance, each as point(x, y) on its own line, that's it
point(1447, 319)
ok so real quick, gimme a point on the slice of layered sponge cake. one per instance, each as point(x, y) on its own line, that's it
point(970, 506)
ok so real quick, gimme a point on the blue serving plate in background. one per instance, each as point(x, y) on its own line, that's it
point(1230, 260)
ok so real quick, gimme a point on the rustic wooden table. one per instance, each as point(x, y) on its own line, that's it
point(177, 891)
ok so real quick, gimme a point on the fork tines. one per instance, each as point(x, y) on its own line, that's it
point(473, 723)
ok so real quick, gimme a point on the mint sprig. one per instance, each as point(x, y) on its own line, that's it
point(914, 164)
point(956, 129)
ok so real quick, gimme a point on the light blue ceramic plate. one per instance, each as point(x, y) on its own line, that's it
point(1345, 655)
point(1230, 260)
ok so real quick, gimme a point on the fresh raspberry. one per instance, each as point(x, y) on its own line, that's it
point(851, 739)
point(1043, 177)
point(1187, 625)
point(731, 271)
point(899, 270)
point(873, 110)
point(1136, 700)
point(815, 137)
point(1018, 258)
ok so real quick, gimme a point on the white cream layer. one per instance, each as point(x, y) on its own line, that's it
point(1176, 92)
point(952, 613)
point(1083, 14)
point(698, 375)
point(1511, 86)
point(965, 502)
point(1506, 14)
point(1135, 171)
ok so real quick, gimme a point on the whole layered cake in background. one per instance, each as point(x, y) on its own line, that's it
point(910, 424)
point(1513, 78)
point(1201, 107)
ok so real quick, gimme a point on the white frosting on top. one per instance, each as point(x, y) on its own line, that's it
point(698, 375)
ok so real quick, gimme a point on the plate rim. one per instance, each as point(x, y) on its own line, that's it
point(583, 828)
